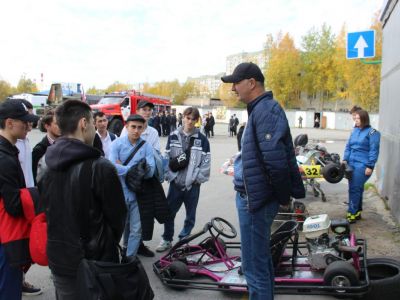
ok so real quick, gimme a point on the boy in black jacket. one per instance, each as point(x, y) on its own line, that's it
point(85, 206)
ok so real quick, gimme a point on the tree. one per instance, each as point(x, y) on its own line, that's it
point(5, 90)
point(26, 85)
point(364, 79)
point(118, 87)
point(318, 63)
point(94, 91)
point(283, 71)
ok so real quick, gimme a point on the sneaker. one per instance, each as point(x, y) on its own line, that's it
point(145, 251)
point(351, 218)
point(163, 246)
point(29, 290)
point(358, 215)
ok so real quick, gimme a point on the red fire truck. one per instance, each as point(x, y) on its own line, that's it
point(118, 106)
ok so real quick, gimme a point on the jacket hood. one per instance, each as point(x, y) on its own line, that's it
point(67, 151)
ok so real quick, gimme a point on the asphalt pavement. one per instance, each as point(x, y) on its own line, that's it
point(216, 199)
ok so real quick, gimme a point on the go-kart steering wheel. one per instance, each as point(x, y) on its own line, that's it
point(223, 227)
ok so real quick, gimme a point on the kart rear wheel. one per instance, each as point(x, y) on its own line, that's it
point(341, 274)
point(179, 270)
point(384, 275)
point(332, 173)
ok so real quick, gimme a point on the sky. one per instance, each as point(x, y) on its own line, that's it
point(98, 42)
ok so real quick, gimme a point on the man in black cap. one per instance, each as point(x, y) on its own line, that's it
point(266, 175)
point(14, 119)
point(120, 156)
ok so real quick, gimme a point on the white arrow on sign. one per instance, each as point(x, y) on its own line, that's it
point(360, 46)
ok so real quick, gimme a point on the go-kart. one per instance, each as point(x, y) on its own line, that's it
point(323, 264)
point(316, 162)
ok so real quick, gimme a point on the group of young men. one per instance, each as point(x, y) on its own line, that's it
point(80, 174)
point(89, 201)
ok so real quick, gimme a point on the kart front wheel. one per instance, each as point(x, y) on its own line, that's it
point(178, 270)
point(341, 274)
point(332, 173)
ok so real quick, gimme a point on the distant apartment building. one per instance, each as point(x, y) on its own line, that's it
point(257, 57)
point(208, 84)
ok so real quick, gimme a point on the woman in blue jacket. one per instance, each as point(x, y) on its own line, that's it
point(361, 154)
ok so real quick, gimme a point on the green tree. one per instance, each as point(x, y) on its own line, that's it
point(283, 71)
point(5, 90)
point(26, 85)
point(318, 76)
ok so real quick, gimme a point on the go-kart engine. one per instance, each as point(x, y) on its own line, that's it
point(321, 252)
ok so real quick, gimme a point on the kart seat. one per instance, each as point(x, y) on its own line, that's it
point(280, 238)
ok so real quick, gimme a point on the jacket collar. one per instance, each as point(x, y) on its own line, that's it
point(267, 95)
point(7, 147)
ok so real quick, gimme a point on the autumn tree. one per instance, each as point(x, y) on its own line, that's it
point(283, 71)
point(5, 90)
point(363, 79)
point(117, 87)
point(228, 97)
point(94, 91)
point(26, 85)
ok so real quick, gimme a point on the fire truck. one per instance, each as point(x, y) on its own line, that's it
point(118, 106)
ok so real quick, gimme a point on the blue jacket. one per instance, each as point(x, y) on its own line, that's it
point(363, 147)
point(270, 171)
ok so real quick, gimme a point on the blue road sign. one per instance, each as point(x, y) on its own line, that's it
point(360, 44)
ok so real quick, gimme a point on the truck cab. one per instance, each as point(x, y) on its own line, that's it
point(118, 106)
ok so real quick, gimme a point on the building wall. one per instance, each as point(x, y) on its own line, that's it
point(388, 165)
point(233, 60)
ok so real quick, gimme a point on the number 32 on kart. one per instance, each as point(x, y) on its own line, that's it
point(312, 171)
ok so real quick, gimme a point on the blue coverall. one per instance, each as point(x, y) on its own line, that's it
point(361, 152)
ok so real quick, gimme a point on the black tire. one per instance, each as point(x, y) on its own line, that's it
point(341, 274)
point(384, 275)
point(332, 173)
point(116, 126)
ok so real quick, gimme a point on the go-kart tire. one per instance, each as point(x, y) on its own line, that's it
point(341, 274)
point(332, 173)
point(178, 270)
point(384, 275)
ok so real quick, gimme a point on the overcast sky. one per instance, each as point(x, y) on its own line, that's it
point(101, 41)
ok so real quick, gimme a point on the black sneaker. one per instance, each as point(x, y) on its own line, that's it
point(29, 290)
point(145, 251)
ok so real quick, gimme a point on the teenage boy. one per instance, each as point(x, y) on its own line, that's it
point(83, 197)
point(14, 119)
point(106, 137)
point(121, 150)
point(150, 135)
point(185, 183)
point(49, 125)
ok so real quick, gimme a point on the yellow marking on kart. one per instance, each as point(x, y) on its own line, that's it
point(312, 171)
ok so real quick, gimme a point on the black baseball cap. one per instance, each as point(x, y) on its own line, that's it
point(16, 109)
point(144, 103)
point(242, 71)
point(136, 117)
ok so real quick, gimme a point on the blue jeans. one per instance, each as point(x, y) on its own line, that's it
point(10, 279)
point(133, 229)
point(255, 234)
point(175, 199)
point(356, 187)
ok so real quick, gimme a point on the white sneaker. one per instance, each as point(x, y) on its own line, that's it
point(163, 246)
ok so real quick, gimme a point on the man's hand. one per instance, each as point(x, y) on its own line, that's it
point(118, 162)
point(368, 171)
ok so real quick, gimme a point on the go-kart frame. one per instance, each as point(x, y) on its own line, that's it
point(293, 275)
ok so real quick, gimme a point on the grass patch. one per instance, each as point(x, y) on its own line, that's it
point(368, 186)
